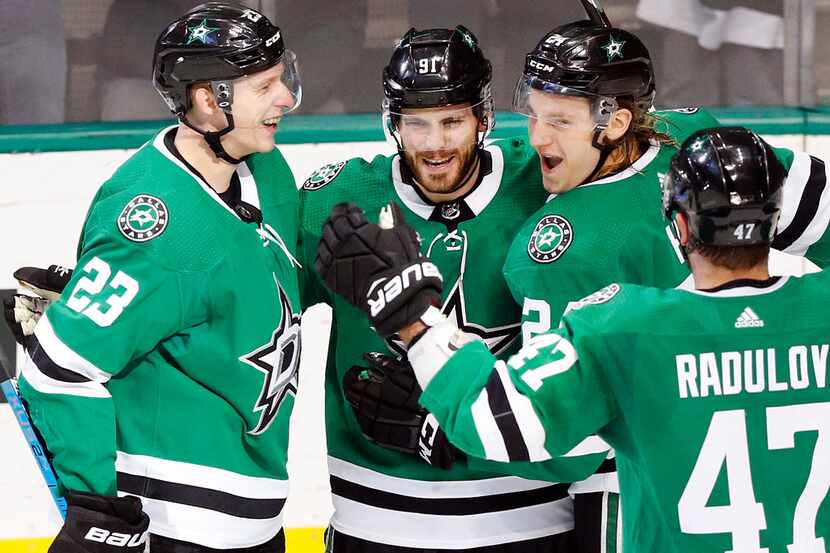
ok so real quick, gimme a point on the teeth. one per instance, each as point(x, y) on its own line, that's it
point(271, 121)
point(437, 162)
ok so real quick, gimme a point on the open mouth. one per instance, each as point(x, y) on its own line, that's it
point(271, 122)
point(551, 162)
point(438, 163)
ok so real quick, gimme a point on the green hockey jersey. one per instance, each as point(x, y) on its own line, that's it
point(716, 403)
point(394, 498)
point(168, 367)
point(613, 229)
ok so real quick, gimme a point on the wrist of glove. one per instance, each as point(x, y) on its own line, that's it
point(102, 524)
point(21, 311)
point(384, 397)
point(377, 268)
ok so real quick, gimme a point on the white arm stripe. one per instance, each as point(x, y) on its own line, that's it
point(488, 431)
point(533, 433)
point(63, 355)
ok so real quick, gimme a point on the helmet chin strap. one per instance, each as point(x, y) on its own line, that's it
point(213, 139)
point(223, 93)
point(604, 151)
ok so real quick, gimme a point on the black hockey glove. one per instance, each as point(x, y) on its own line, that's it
point(101, 524)
point(384, 397)
point(21, 311)
point(378, 268)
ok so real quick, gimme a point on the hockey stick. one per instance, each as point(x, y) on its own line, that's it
point(9, 386)
point(595, 12)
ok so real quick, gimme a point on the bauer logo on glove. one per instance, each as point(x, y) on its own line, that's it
point(378, 268)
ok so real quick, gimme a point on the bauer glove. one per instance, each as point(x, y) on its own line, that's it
point(102, 524)
point(21, 311)
point(384, 397)
point(378, 268)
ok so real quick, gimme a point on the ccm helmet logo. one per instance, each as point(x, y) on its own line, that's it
point(273, 39)
point(540, 66)
point(394, 287)
point(117, 539)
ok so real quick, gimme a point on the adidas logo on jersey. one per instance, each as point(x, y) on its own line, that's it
point(748, 318)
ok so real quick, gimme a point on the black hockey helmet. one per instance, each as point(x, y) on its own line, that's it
point(218, 42)
point(728, 181)
point(587, 59)
point(437, 68)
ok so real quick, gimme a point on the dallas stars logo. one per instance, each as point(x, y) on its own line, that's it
point(697, 145)
point(279, 359)
point(143, 218)
point(323, 176)
point(614, 49)
point(496, 338)
point(466, 37)
point(202, 33)
point(549, 240)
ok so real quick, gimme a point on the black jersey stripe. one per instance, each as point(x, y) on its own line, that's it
point(609, 465)
point(196, 496)
point(47, 366)
point(453, 506)
point(807, 206)
point(505, 419)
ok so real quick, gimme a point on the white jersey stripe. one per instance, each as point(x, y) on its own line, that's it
point(817, 227)
point(206, 527)
point(589, 446)
point(212, 478)
point(794, 187)
point(440, 489)
point(450, 532)
point(48, 385)
point(488, 431)
point(533, 432)
point(64, 356)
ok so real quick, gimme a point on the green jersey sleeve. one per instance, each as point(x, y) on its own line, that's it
point(540, 404)
point(118, 306)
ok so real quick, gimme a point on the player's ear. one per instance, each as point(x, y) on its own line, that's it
point(202, 100)
point(681, 223)
point(619, 124)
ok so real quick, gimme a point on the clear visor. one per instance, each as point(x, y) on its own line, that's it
point(560, 106)
point(438, 130)
point(282, 87)
point(290, 80)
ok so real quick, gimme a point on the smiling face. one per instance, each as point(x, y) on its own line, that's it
point(259, 101)
point(561, 131)
point(439, 145)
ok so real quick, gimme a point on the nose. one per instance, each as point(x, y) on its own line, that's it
point(436, 138)
point(283, 98)
point(539, 133)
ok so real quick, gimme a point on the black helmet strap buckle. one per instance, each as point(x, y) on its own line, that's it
point(223, 92)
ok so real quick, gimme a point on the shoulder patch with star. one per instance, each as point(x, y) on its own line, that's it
point(323, 176)
point(143, 218)
point(602, 295)
point(549, 240)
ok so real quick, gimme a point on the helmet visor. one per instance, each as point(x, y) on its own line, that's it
point(437, 130)
point(290, 81)
point(559, 106)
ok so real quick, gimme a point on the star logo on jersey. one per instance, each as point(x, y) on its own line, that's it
point(279, 359)
point(145, 217)
point(202, 33)
point(549, 240)
point(496, 338)
point(323, 176)
point(614, 49)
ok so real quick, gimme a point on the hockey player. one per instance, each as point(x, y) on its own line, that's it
point(163, 378)
point(586, 90)
point(711, 398)
point(465, 201)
